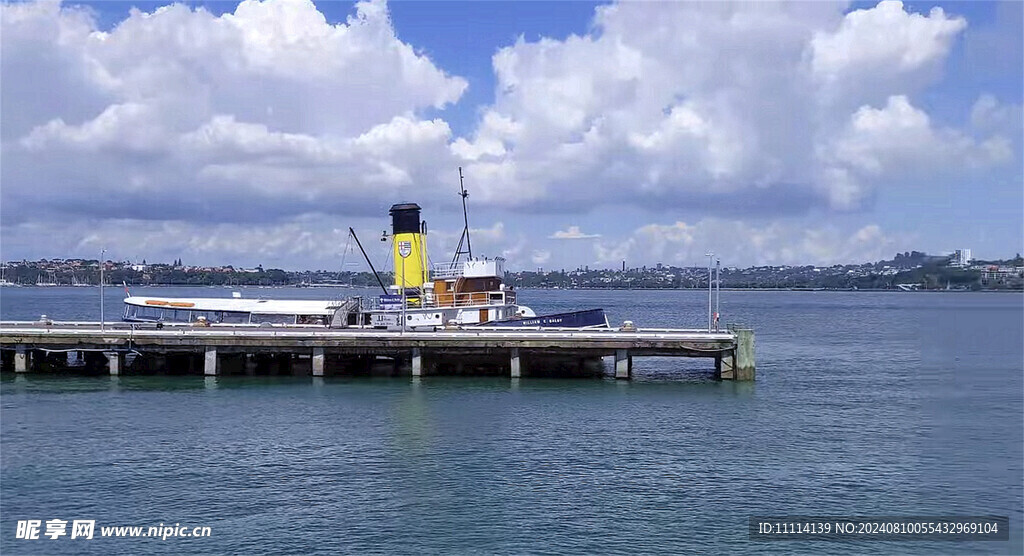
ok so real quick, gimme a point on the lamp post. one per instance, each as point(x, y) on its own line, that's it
point(102, 319)
point(710, 257)
point(718, 291)
point(402, 330)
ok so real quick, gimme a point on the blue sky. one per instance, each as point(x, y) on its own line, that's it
point(589, 132)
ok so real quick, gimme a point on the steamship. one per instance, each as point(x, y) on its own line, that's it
point(462, 292)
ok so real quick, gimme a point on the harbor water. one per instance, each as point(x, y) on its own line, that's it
point(895, 404)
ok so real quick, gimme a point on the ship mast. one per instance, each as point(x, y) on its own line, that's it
point(368, 261)
point(465, 230)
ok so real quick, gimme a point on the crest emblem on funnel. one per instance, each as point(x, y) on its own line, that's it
point(404, 248)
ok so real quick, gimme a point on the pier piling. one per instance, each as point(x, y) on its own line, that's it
point(623, 364)
point(21, 360)
point(744, 354)
point(516, 363)
point(210, 363)
point(417, 362)
point(250, 364)
point(318, 361)
point(115, 361)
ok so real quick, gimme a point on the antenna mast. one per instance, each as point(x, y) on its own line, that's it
point(465, 218)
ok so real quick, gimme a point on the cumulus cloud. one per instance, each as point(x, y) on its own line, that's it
point(884, 48)
point(572, 233)
point(698, 106)
point(271, 117)
point(899, 139)
point(269, 103)
point(742, 243)
point(311, 243)
point(989, 115)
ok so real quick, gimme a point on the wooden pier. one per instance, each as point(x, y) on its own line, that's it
point(318, 351)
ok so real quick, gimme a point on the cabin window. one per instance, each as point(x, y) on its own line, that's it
point(312, 319)
point(272, 319)
point(148, 313)
point(176, 315)
point(211, 316)
point(233, 317)
point(479, 284)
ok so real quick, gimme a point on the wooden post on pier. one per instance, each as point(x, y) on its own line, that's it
point(737, 363)
point(516, 364)
point(115, 360)
point(318, 362)
point(210, 366)
point(21, 359)
point(417, 362)
point(250, 364)
point(623, 364)
point(725, 365)
point(744, 354)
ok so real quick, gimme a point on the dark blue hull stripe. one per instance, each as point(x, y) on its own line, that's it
point(576, 319)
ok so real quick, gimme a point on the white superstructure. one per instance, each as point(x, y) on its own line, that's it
point(215, 310)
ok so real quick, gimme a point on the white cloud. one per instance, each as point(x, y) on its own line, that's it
point(740, 243)
point(308, 243)
point(879, 36)
point(988, 115)
point(271, 117)
point(572, 233)
point(121, 127)
point(682, 104)
point(540, 256)
point(269, 103)
point(884, 47)
point(899, 140)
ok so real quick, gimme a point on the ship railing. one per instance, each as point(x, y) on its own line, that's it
point(457, 300)
point(469, 299)
point(441, 271)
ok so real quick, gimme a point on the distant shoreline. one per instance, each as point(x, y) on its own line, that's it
point(346, 287)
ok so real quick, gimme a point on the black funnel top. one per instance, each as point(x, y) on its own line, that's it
point(405, 218)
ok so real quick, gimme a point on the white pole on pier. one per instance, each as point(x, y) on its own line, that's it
point(710, 257)
point(718, 291)
point(402, 330)
point(103, 253)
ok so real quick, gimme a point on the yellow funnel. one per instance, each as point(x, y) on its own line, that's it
point(410, 246)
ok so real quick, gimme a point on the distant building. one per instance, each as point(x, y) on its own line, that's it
point(1001, 274)
point(961, 258)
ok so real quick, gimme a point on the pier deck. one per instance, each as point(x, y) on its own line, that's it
point(327, 350)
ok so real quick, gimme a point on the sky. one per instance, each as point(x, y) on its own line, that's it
point(589, 133)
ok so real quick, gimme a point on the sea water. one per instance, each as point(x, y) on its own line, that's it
point(864, 404)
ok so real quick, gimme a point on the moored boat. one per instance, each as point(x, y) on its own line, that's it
point(469, 292)
point(216, 310)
